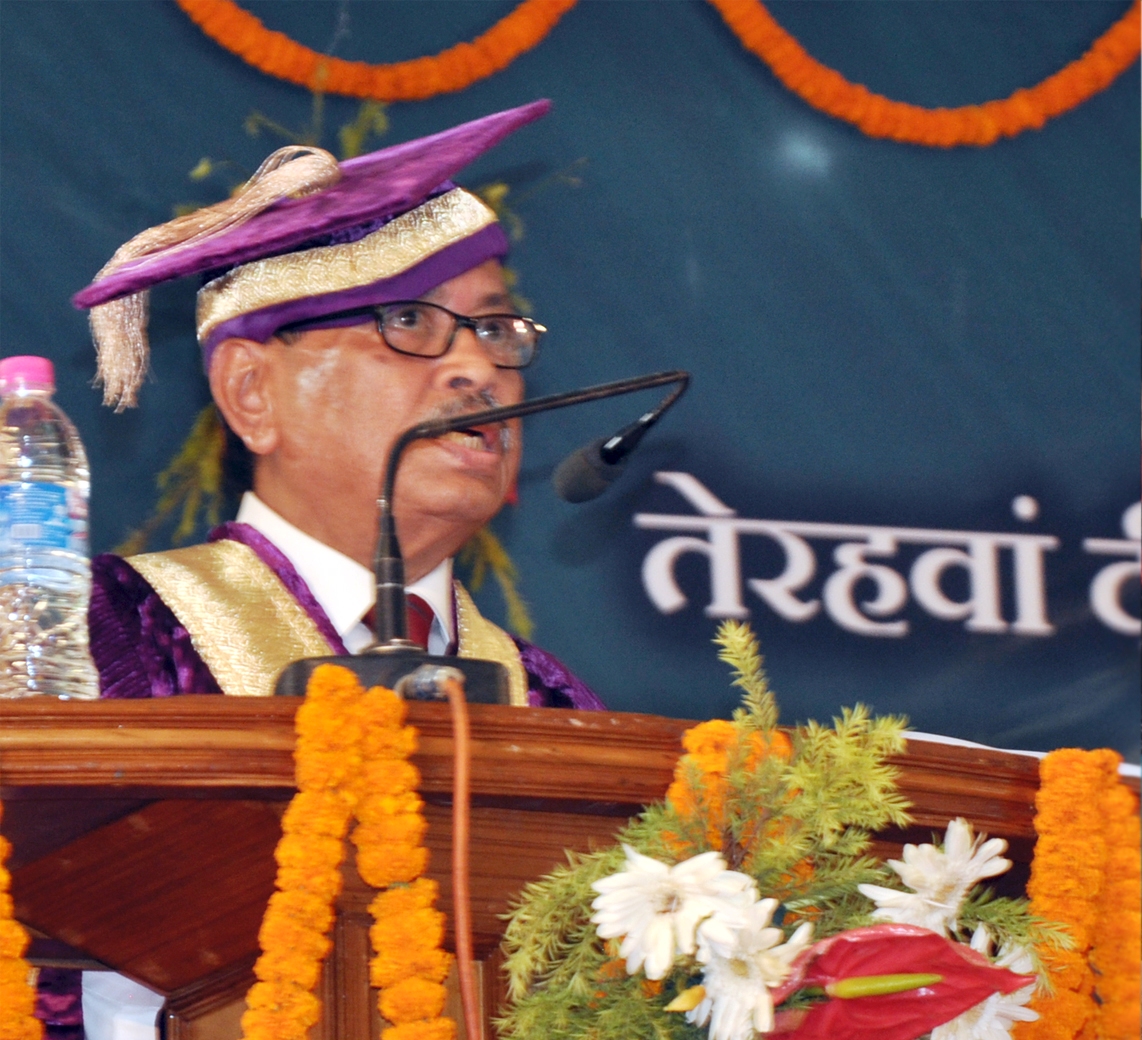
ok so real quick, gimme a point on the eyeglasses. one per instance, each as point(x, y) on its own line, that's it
point(428, 330)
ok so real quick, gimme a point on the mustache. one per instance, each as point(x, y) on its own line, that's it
point(465, 403)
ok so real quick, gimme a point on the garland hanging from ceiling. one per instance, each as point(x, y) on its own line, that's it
point(825, 89)
point(276, 54)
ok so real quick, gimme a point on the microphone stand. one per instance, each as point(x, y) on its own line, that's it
point(398, 663)
point(393, 657)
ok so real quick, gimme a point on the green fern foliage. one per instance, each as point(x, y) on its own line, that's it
point(794, 811)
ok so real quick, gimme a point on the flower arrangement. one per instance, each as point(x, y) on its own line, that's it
point(351, 762)
point(17, 992)
point(747, 904)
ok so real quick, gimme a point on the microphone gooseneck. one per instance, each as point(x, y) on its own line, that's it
point(388, 566)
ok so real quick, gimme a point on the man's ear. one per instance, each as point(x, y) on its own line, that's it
point(240, 384)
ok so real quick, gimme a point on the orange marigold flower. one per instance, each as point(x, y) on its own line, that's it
point(405, 829)
point(303, 907)
point(392, 776)
point(715, 738)
point(293, 1006)
point(324, 884)
point(423, 927)
point(383, 709)
point(613, 968)
point(394, 804)
point(762, 745)
point(420, 895)
point(315, 852)
point(13, 939)
point(267, 1022)
point(384, 863)
point(280, 931)
point(650, 988)
point(434, 1029)
point(331, 681)
point(283, 963)
point(17, 996)
point(327, 769)
point(389, 743)
point(320, 812)
point(389, 966)
point(677, 845)
point(412, 999)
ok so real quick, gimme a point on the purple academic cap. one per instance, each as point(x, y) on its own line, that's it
point(372, 187)
point(300, 201)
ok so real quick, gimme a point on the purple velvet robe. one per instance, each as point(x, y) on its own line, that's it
point(141, 649)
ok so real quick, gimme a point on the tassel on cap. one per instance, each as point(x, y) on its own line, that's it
point(119, 327)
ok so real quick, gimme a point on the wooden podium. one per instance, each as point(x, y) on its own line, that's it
point(143, 831)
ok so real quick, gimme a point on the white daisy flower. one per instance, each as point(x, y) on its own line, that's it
point(744, 957)
point(939, 879)
point(656, 908)
point(993, 1019)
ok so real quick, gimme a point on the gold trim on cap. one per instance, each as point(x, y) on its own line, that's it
point(390, 250)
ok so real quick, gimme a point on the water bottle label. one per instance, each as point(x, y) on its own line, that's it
point(42, 517)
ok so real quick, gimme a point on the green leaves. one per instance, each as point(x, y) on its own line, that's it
point(740, 650)
point(795, 810)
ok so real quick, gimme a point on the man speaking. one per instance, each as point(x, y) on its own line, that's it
point(341, 304)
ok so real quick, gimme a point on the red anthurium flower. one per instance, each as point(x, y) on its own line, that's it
point(967, 979)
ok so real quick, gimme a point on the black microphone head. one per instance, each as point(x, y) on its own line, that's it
point(584, 475)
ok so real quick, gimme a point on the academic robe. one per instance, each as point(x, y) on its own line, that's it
point(142, 649)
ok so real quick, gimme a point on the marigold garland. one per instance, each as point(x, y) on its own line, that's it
point(351, 762)
point(877, 116)
point(17, 992)
point(409, 966)
point(453, 69)
point(1086, 874)
point(825, 89)
point(1117, 954)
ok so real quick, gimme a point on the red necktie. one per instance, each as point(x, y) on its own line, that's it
point(420, 618)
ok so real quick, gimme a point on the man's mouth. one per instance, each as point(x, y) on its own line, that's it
point(485, 438)
point(494, 438)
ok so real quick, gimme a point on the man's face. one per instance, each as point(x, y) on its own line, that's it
point(342, 397)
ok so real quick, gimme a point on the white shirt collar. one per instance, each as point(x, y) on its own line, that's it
point(345, 589)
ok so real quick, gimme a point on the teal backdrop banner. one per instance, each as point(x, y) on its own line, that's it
point(910, 452)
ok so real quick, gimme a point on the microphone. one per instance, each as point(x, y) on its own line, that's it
point(588, 472)
point(393, 655)
point(392, 633)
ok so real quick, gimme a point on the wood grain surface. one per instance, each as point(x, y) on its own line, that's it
point(143, 831)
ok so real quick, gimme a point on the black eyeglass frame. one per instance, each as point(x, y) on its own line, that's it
point(459, 321)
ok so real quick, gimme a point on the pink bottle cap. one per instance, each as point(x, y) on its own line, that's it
point(35, 373)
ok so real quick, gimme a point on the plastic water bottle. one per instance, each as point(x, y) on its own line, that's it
point(45, 574)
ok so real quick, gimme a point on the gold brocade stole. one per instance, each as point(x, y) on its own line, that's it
point(242, 620)
point(479, 637)
point(246, 626)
